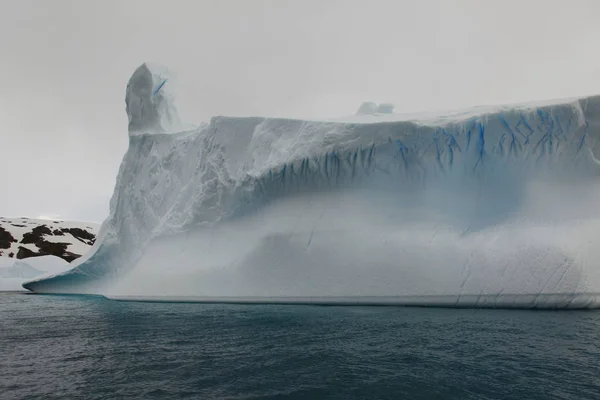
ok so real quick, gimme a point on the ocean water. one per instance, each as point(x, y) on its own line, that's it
point(71, 347)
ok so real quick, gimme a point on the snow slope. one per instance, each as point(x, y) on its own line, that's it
point(23, 237)
point(490, 207)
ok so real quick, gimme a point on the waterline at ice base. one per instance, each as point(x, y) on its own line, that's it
point(486, 207)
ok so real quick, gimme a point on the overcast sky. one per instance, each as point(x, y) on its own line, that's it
point(65, 64)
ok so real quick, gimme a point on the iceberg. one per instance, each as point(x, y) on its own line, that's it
point(493, 206)
point(14, 272)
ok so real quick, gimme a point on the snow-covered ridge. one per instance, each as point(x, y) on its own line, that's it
point(490, 203)
point(22, 237)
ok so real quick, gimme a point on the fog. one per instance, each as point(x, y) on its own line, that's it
point(65, 63)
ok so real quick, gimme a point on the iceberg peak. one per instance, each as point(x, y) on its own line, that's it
point(149, 101)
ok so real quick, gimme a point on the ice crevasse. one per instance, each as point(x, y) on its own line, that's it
point(492, 206)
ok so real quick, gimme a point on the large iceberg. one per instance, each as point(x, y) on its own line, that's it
point(488, 207)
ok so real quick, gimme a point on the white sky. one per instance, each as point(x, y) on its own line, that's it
point(65, 63)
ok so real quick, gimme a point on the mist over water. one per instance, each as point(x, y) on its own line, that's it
point(511, 231)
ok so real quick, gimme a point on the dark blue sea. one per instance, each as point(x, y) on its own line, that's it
point(69, 347)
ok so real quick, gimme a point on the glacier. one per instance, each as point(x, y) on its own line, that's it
point(493, 206)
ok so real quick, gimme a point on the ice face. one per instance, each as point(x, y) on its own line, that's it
point(14, 272)
point(149, 101)
point(492, 206)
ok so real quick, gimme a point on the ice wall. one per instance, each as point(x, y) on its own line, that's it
point(492, 206)
point(14, 272)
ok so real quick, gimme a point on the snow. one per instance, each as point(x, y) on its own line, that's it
point(19, 226)
point(490, 206)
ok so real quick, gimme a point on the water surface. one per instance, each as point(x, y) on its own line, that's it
point(92, 348)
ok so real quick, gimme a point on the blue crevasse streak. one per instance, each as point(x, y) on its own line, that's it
point(159, 87)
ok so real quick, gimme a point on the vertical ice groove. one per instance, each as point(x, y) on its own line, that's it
point(438, 156)
point(583, 137)
point(336, 165)
point(569, 123)
point(545, 144)
point(468, 140)
point(559, 125)
point(499, 148)
point(523, 120)
point(515, 145)
point(451, 154)
point(371, 157)
point(480, 146)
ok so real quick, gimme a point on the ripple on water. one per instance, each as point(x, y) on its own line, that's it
point(91, 348)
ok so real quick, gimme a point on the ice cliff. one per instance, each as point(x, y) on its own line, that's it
point(491, 207)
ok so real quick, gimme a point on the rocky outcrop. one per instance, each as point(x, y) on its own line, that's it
point(25, 238)
point(6, 239)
